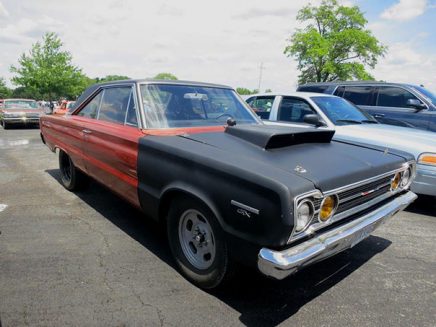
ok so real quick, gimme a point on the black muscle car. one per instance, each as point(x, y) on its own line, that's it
point(229, 188)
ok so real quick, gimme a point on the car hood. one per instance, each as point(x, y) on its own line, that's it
point(21, 110)
point(406, 139)
point(327, 165)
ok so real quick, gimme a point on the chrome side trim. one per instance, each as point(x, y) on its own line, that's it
point(245, 207)
point(280, 264)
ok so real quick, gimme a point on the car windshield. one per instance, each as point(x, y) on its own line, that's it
point(21, 104)
point(342, 112)
point(167, 105)
point(426, 93)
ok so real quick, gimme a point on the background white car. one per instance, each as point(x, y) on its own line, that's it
point(351, 125)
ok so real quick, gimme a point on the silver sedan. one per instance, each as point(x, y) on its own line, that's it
point(351, 124)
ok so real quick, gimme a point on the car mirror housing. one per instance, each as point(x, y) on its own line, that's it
point(313, 119)
point(415, 103)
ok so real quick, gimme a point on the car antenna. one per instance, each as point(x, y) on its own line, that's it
point(230, 122)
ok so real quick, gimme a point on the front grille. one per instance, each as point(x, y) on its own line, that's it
point(32, 115)
point(358, 195)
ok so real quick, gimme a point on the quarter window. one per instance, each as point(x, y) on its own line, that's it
point(393, 97)
point(359, 95)
point(262, 106)
point(114, 104)
point(91, 109)
point(294, 110)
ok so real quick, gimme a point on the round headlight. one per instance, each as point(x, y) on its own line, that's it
point(305, 211)
point(406, 178)
point(395, 182)
point(328, 207)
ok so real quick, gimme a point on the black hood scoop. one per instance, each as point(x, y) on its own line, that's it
point(273, 137)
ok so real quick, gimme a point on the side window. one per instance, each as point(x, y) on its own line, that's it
point(114, 104)
point(393, 97)
point(91, 109)
point(294, 110)
point(313, 88)
point(339, 91)
point(131, 118)
point(262, 106)
point(250, 101)
point(359, 95)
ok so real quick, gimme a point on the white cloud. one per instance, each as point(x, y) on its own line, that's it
point(405, 64)
point(405, 10)
point(3, 11)
point(195, 40)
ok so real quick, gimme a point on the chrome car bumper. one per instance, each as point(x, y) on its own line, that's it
point(280, 264)
point(425, 180)
point(21, 120)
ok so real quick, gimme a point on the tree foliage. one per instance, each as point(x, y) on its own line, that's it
point(110, 78)
point(166, 76)
point(245, 91)
point(334, 45)
point(5, 92)
point(47, 70)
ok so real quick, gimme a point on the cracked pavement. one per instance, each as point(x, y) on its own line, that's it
point(90, 259)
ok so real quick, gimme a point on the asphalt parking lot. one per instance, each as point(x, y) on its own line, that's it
point(89, 259)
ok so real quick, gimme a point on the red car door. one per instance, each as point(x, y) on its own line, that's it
point(110, 140)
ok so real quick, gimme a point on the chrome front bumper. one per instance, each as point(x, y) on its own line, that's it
point(425, 180)
point(21, 120)
point(280, 264)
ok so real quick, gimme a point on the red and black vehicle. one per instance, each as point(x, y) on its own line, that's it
point(229, 188)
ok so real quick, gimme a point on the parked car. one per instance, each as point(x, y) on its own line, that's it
point(19, 111)
point(64, 108)
point(228, 187)
point(354, 125)
point(397, 104)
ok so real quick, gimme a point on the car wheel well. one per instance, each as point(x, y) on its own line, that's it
point(170, 196)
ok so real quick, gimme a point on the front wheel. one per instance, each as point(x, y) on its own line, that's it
point(5, 125)
point(71, 177)
point(197, 243)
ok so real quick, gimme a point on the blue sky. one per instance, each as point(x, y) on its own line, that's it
point(216, 41)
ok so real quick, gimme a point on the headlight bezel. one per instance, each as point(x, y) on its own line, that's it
point(311, 206)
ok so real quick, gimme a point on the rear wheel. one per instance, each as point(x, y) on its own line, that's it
point(5, 125)
point(197, 243)
point(72, 178)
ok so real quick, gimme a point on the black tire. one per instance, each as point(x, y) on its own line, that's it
point(71, 177)
point(5, 125)
point(221, 267)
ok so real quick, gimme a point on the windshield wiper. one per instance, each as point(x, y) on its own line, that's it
point(349, 121)
point(369, 121)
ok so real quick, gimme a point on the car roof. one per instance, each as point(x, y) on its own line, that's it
point(356, 83)
point(91, 89)
point(20, 99)
point(293, 94)
point(157, 81)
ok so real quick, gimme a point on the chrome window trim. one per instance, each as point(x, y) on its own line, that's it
point(99, 104)
point(311, 228)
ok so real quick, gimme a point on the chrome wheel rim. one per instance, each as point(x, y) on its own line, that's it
point(197, 239)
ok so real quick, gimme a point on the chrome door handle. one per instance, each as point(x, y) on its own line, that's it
point(86, 131)
point(379, 115)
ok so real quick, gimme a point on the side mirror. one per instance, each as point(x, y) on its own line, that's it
point(313, 119)
point(415, 103)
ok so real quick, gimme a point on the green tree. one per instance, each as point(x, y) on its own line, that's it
point(335, 45)
point(166, 76)
point(245, 91)
point(268, 91)
point(47, 70)
point(5, 92)
point(25, 93)
point(110, 78)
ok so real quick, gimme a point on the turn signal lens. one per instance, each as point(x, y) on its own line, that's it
point(395, 183)
point(328, 208)
point(427, 159)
